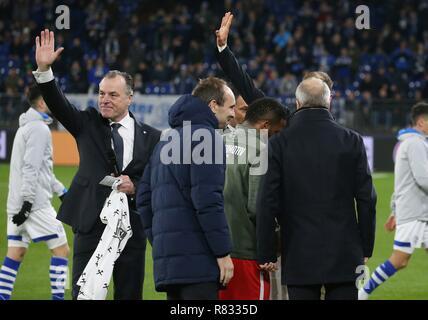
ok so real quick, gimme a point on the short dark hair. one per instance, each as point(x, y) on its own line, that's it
point(129, 81)
point(320, 75)
point(418, 110)
point(266, 109)
point(33, 94)
point(211, 88)
point(235, 91)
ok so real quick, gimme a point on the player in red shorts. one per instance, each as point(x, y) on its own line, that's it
point(246, 160)
point(248, 282)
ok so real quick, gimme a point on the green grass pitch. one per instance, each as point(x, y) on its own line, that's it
point(33, 279)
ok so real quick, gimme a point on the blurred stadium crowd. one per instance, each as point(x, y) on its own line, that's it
point(168, 45)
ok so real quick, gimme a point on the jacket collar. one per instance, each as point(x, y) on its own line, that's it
point(311, 113)
point(191, 108)
point(139, 151)
point(410, 132)
point(104, 143)
point(33, 115)
point(243, 126)
point(125, 122)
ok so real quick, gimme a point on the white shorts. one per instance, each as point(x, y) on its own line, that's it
point(41, 225)
point(411, 235)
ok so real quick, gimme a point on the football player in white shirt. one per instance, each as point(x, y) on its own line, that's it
point(30, 214)
point(410, 200)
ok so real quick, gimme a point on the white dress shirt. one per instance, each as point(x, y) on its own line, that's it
point(43, 76)
point(126, 131)
point(220, 49)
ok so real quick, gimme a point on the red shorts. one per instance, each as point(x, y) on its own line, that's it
point(248, 282)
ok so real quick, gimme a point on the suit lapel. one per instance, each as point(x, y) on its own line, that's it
point(140, 144)
point(102, 137)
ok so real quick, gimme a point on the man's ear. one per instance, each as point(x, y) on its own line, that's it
point(262, 124)
point(40, 105)
point(213, 106)
point(421, 121)
point(265, 124)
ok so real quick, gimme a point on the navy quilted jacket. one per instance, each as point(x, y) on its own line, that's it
point(181, 205)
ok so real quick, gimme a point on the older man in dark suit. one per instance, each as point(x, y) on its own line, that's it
point(319, 187)
point(110, 141)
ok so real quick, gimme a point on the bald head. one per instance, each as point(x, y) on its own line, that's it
point(312, 92)
point(320, 75)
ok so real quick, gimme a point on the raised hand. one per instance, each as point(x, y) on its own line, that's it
point(45, 50)
point(223, 32)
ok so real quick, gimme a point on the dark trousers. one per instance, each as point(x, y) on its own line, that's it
point(128, 272)
point(194, 291)
point(334, 291)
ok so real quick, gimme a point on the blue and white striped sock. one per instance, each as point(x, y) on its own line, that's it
point(8, 273)
point(58, 276)
point(379, 276)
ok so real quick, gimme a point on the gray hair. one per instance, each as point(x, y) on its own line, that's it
point(313, 92)
point(126, 76)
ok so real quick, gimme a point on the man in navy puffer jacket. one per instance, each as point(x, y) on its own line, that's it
point(180, 197)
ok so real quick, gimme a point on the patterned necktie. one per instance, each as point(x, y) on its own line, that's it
point(118, 144)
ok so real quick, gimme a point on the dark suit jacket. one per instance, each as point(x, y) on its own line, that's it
point(238, 76)
point(319, 187)
point(84, 200)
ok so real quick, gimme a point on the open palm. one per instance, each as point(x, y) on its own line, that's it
point(223, 32)
point(45, 50)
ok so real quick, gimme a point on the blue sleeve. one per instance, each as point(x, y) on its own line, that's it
point(207, 183)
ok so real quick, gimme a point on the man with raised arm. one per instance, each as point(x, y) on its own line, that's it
point(110, 142)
